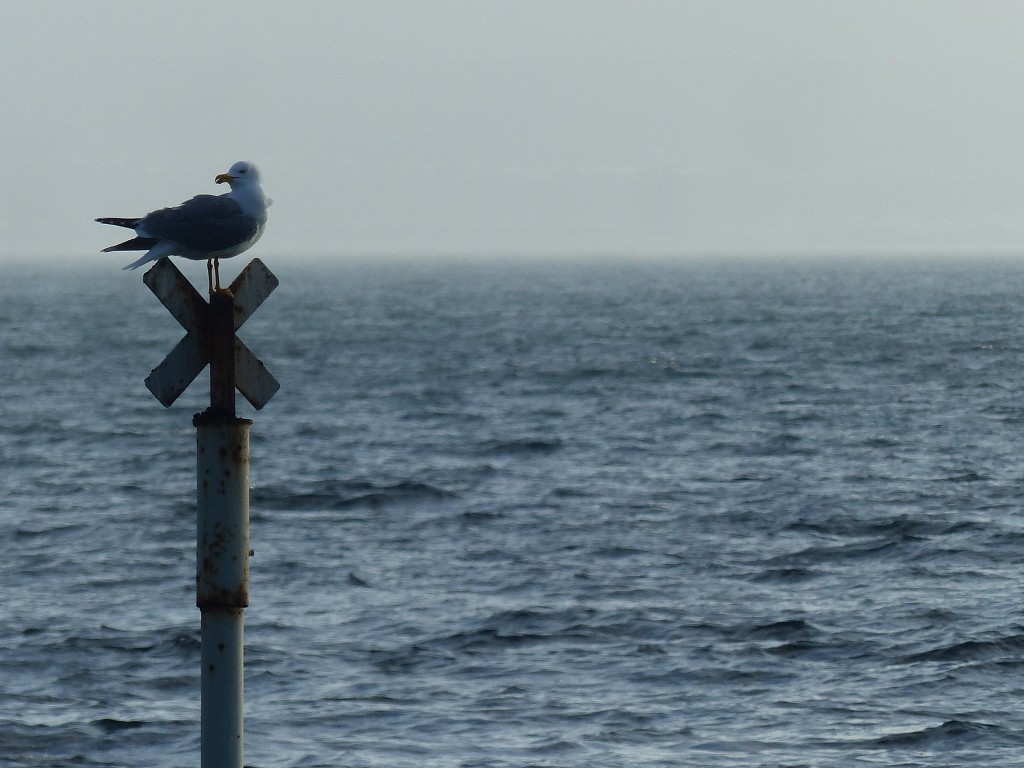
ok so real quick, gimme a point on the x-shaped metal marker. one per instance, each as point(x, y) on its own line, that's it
point(193, 353)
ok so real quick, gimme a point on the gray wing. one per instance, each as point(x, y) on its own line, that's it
point(206, 223)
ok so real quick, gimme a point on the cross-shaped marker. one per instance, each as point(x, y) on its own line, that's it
point(199, 347)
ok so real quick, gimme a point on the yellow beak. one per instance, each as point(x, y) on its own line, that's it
point(222, 177)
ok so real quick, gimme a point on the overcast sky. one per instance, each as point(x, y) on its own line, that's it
point(479, 127)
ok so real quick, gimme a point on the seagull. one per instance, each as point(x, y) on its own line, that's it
point(210, 227)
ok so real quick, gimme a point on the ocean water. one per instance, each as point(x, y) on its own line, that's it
point(590, 513)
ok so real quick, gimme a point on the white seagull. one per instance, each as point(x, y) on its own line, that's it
point(210, 227)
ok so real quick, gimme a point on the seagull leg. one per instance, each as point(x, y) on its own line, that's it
point(209, 273)
point(216, 270)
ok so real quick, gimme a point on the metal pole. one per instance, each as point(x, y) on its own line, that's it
point(222, 582)
point(222, 547)
point(222, 484)
point(221, 339)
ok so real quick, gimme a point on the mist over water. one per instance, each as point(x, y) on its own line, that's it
point(580, 513)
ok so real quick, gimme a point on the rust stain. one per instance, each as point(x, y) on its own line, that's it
point(224, 598)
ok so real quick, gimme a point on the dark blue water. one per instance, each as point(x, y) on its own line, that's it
point(572, 514)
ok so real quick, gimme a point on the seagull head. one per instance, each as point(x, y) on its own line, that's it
point(240, 172)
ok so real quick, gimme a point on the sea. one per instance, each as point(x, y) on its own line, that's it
point(530, 513)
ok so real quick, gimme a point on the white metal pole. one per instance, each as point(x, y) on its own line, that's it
point(222, 544)
point(222, 582)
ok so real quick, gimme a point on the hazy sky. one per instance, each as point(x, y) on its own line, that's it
point(574, 126)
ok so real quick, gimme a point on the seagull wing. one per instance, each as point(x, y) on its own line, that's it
point(206, 224)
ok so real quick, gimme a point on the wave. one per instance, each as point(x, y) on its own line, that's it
point(497, 633)
point(336, 495)
point(972, 650)
point(949, 734)
point(524, 446)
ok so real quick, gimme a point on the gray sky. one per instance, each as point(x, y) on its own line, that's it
point(551, 126)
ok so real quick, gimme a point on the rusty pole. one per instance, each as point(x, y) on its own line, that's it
point(222, 485)
point(222, 546)
point(221, 338)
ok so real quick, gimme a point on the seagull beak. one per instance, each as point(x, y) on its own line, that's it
point(222, 177)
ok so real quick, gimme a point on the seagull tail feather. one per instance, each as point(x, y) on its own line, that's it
point(139, 262)
point(118, 222)
point(135, 244)
point(160, 249)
